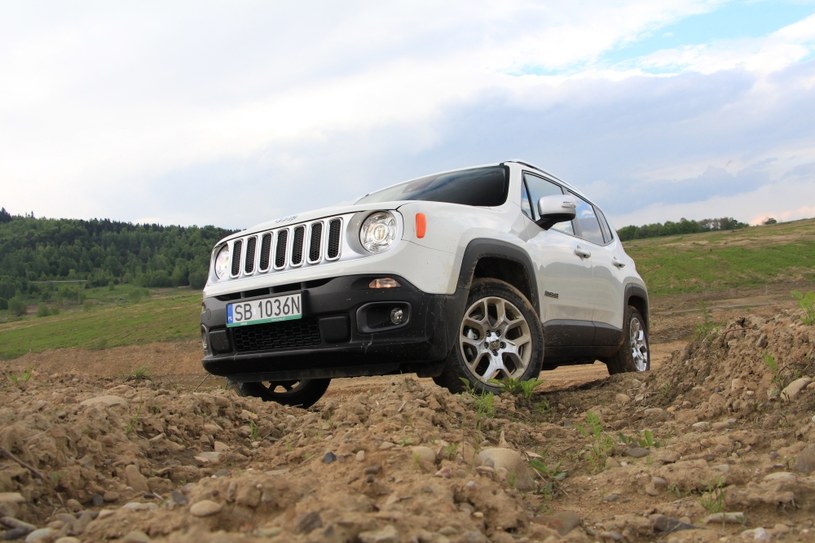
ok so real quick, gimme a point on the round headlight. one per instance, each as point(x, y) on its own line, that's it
point(222, 263)
point(378, 232)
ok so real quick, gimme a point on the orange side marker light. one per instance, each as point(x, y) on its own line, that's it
point(421, 225)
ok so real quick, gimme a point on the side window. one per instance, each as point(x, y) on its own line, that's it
point(539, 187)
point(587, 222)
point(607, 235)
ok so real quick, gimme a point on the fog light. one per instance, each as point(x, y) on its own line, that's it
point(204, 344)
point(384, 282)
point(397, 315)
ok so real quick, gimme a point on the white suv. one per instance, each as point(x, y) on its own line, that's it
point(468, 276)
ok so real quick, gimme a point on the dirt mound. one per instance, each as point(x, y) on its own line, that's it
point(717, 443)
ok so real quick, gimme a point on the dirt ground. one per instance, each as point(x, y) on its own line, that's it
point(716, 443)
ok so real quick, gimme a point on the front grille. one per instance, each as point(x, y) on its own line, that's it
point(277, 335)
point(287, 247)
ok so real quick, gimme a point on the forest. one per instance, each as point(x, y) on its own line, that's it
point(48, 261)
point(42, 258)
point(684, 226)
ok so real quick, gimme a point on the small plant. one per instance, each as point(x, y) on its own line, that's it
point(134, 421)
point(713, 499)
point(141, 373)
point(707, 326)
point(485, 405)
point(21, 377)
point(484, 401)
point(518, 387)
point(645, 439)
point(602, 444)
point(550, 477)
point(254, 432)
point(806, 301)
point(450, 451)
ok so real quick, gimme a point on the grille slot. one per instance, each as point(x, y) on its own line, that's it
point(315, 243)
point(277, 335)
point(265, 250)
point(280, 250)
point(236, 257)
point(249, 266)
point(310, 243)
point(297, 245)
point(334, 231)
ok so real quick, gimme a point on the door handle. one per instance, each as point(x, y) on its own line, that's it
point(618, 263)
point(581, 252)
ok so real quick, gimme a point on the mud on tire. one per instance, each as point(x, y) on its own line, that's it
point(499, 336)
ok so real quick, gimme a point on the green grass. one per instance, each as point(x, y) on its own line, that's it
point(164, 316)
point(719, 261)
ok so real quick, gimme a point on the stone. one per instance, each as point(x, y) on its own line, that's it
point(388, 534)
point(637, 452)
point(329, 458)
point(792, 390)
point(41, 535)
point(205, 508)
point(562, 521)
point(137, 506)
point(622, 399)
point(136, 536)
point(360, 456)
point(11, 497)
point(208, 457)
point(735, 517)
point(104, 401)
point(135, 479)
point(309, 522)
point(518, 472)
point(425, 457)
point(663, 523)
point(805, 461)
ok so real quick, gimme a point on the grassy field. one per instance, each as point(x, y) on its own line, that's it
point(163, 315)
point(709, 262)
point(718, 261)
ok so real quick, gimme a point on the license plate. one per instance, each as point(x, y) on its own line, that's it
point(278, 308)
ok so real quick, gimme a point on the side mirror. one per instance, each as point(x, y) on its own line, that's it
point(555, 209)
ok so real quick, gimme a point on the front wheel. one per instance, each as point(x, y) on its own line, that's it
point(499, 337)
point(303, 393)
point(634, 353)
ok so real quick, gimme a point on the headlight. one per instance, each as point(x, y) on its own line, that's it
point(222, 263)
point(378, 232)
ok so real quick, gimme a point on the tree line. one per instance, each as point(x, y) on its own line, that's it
point(684, 226)
point(37, 253)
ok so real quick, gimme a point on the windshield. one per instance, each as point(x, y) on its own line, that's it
point(485, 187)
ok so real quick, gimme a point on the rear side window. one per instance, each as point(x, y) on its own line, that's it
point(483, 187)
point(607, 235)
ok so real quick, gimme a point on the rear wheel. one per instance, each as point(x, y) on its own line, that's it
point(303, 393)
point(499, 337)
point(634, 354)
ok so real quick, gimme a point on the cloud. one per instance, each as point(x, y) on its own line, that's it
point(233, 114)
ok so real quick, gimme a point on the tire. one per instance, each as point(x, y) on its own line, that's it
point(634, 353)
point(303, 393)
point(499, 336)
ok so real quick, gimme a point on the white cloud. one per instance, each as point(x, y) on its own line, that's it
point(122, 109)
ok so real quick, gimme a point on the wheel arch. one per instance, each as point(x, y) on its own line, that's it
point(637, 296)
point(499, 260)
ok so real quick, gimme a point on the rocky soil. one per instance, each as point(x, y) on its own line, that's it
point(717, 443)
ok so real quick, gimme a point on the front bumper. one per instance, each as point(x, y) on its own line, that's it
point(345, 331)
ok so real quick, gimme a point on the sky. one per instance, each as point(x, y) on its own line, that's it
point(234, 113)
